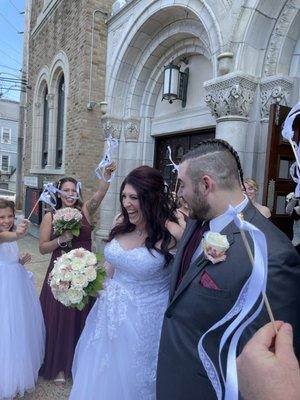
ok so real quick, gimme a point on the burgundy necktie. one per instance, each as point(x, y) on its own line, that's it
point(190, 249)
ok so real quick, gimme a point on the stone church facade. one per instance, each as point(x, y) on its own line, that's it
point(242, 56)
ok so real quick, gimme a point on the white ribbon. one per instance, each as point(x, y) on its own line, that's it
point(48, 195)
point(295, 174)
point(175, 166)
point(111, 144)
point(247, 299)
point(287, 131)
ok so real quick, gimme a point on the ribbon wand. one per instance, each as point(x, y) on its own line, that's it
point(112, 143)
point(47, 196)
point(265, 298)
point(175, 167)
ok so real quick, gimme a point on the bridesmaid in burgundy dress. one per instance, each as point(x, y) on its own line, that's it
point(64, 325)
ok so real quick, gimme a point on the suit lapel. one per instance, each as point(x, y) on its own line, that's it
point(178, 257)
point(197, 266)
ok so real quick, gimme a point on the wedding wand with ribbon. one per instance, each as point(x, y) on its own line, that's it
point(111, 145)
point(244, 311)
point(288, 133)
point(265, 298)
point(175, 167)
point(47, 196)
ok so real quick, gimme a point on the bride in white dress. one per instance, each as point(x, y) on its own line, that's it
point(116, 355)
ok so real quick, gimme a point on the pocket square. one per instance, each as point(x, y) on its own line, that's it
point(207, 282)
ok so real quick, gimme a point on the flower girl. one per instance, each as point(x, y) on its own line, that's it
point(22, 331)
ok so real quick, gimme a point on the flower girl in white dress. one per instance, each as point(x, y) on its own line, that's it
point(22, 332)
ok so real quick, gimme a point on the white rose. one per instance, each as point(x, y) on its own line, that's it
point(90, 259)
point(77, 264)
point(91, 274)
point(216, 241)
point(75, 296)
point(79, 281)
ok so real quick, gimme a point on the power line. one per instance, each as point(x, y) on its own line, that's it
point(13, 69)
point(10, 46)
point(15, 7)
point(8, 21)
point(7, 55)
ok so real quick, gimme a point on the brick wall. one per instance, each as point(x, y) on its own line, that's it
point(68, 27)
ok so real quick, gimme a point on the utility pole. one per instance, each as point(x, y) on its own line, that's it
point(22, 109)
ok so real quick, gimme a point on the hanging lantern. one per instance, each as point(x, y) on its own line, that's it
point(175, 84)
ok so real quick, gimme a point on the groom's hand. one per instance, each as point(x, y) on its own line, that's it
point(267, 367)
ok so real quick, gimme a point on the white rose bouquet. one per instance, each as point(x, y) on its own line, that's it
point(75, 277)
point(67, 219)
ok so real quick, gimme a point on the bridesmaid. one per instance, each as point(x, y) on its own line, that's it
point(64, 325)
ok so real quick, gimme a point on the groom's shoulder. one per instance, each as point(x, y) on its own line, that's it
point(276, 239)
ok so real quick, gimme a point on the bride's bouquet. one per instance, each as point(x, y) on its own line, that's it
point(75, 277)
point(67, 219)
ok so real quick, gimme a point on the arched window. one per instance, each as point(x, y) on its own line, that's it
point(60, 122)
point(45, 129)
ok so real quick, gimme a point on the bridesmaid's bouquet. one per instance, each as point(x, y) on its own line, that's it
point(75, 277)
point(67, 219)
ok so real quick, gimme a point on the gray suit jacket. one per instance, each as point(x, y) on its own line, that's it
point(193, 309)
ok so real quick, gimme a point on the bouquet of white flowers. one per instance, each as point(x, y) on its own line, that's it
point(67, 219)
point(75, 277)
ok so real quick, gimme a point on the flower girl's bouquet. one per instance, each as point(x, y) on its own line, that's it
point(67, 219)
point(75, 277)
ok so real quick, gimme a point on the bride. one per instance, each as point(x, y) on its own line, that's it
point(116, 355)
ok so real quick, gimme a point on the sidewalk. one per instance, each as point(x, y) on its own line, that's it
point(45, 390)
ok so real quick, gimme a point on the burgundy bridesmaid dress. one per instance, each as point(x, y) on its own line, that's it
point(63, 325)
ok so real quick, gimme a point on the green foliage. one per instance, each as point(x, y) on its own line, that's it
point(62, 226)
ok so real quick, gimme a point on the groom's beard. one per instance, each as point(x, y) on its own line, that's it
point(199, 207)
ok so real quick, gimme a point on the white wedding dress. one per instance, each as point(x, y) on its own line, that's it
point(22, 331)
point(116, 355)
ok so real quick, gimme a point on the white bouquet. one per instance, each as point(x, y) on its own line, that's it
point(67, 219)
point(75, 277)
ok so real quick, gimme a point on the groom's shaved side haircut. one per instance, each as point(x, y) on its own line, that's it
point(216, 158)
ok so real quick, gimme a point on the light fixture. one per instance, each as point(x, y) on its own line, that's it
point(102, 104)
point(175, 83)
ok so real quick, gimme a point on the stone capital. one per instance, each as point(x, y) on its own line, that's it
point(274, 89)
point(132, 130)
point(230, 94)
point(38, 108)
point(111, 126)
point(50, 100)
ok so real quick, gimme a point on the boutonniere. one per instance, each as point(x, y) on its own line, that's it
point(215, 246)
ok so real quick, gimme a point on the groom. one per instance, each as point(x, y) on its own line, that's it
point(202, 292)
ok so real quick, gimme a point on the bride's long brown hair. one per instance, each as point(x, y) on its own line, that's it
point(157, 206)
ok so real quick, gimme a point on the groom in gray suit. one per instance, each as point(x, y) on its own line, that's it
point(202, 292)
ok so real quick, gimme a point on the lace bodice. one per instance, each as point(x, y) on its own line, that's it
point(9, 253)
point(137, 268)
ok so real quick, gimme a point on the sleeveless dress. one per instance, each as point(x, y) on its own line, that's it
point(63, 325)
point(22, 331)
point(116, 355)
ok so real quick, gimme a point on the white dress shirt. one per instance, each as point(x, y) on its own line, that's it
point(219, 223)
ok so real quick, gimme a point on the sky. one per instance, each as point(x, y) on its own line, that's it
point(11, 45)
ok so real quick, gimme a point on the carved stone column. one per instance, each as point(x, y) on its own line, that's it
point(52, 131)
point(229, 99)
point(274, 89)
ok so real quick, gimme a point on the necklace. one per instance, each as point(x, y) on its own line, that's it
point(139, 231)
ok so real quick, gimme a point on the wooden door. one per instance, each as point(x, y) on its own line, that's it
point(180, 144)
point(279, 158)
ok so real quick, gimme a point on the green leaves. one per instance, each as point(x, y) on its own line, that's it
point(61, 226)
